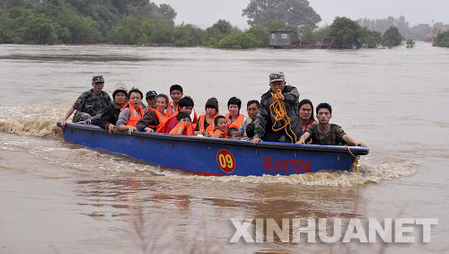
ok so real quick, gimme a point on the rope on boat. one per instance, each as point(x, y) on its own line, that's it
point(356, 166)
point(279, 113)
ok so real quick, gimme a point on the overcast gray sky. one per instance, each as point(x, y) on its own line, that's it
point(204, 13)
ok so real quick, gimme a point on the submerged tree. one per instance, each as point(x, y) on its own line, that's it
point(291, 12)
point(442, 40)
point(347, 33)
point(392, 37)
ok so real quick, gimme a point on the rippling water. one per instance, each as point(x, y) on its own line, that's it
point(63, 198)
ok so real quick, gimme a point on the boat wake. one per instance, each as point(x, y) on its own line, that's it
point(372, 170)
point(32, 123)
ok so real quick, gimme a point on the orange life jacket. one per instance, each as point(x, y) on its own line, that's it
point(237, 123)
point(135, 115)
point(202, 123)
point(160, 117)
point(171, 109)
point(195, 118)
point(163, 126)
point(219, 134)
point(183, 129)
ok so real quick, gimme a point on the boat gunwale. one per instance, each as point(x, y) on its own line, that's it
point(357, 150)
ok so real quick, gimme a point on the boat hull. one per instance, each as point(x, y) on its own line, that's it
point(215, 157)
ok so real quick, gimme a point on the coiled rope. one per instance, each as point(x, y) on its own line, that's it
point(356, 166)
point(279, 113)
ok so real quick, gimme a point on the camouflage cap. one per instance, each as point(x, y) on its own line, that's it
point(276, 76)
point(97, 79)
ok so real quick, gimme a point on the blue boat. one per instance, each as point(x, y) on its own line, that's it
point(216, 157)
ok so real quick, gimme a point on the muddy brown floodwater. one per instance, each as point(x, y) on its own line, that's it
point(62, 198)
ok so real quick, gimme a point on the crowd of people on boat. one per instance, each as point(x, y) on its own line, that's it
point(279, 116)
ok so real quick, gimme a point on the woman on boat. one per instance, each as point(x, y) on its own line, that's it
point(154, 118)
point(206, 121)
point(110, 116)
point(234, 118)
point(132, 112)
point(305, 113)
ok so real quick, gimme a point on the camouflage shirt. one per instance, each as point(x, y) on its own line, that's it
point(264, 120)
point(333, 137)
point(91, 104)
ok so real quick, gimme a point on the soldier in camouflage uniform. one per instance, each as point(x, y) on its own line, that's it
point(325, 133)
point(264, 120)
point(90, 104)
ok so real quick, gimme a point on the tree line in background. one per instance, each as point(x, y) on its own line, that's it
point(140, 22)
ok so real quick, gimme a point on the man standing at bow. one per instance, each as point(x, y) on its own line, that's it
point(277, 120)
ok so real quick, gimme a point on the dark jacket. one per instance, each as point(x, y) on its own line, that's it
point(264, 120)
point(149, 120)
point(109, 116)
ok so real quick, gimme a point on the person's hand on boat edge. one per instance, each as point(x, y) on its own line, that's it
point(111, 128)
point(131, 130)
point(148, 130)
point(256, 141)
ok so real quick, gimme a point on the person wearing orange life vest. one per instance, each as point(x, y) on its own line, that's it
point(185, 105)
point(154, 118)
point(206, 121)
point(234, 118)
point(176, 94)
point(184, 126)
point(131, 113)
point(221, 128)
point(150, 97)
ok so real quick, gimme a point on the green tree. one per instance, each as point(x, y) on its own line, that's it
point(131, 30)
point(442, 40)
point(24, 26)
point(217, 32)
point(322, 33)
point(261, 34)
point(291, 12)
point(238, 41)
point(167, 12)
point(370, 39)
point(82, 29)
point(346, 32)
point(188, 35)
point(163, 31)
point(392, 37)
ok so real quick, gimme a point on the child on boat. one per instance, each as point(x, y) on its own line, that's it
point(249, 132)
point(221, 127)
point(184, 126)
point(234, 133)
point(185, 105)
point(325, 133)
point(206, 121)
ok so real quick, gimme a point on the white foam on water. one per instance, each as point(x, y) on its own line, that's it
point(41, 122)
point(37, 121)
point(372, 170)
